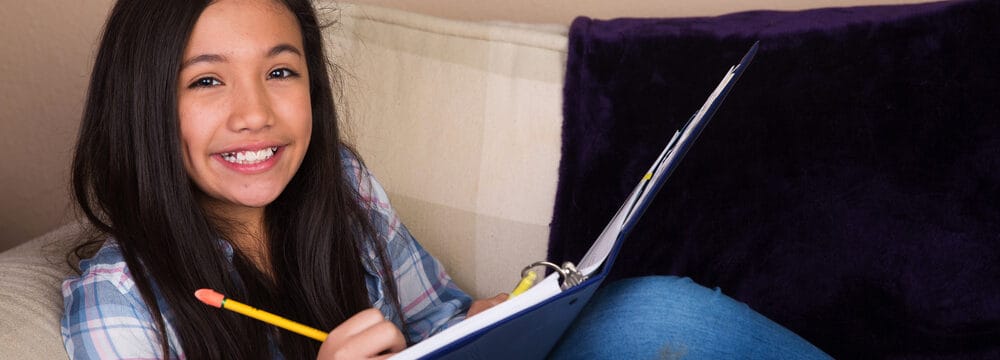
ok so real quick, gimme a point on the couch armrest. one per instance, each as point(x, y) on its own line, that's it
point(30, 296)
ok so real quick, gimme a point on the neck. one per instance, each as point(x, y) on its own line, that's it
point(244, 228)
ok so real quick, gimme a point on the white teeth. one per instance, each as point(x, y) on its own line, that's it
point(250, 157)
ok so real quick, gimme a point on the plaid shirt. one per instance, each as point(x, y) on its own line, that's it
point(106, 318)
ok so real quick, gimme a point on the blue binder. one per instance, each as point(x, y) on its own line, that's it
point(530, 330)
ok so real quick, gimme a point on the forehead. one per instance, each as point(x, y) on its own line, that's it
point(233, 26)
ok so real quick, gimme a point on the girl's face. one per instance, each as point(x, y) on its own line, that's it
point(244, 106)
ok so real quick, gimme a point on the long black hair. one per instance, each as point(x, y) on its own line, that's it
point(130, 183)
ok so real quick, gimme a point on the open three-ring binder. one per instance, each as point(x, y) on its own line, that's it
point(529, 325)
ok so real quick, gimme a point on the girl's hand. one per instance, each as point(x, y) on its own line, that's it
point(366, 335)
point(480, 305)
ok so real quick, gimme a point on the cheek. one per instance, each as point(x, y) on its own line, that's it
point(186, 120)
point(297, 109)
point(188, 145)
point(184, 129)
point(307, 115)
point(195, 130)
point(199, 115)
point(307, 125)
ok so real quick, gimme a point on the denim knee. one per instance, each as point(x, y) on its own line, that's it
point(673, 317)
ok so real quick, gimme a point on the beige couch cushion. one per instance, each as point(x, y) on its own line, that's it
point(461, 123)
point(31, 303)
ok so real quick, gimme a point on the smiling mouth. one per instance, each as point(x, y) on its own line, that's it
point(249, 157)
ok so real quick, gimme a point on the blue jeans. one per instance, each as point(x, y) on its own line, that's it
point(666, 317)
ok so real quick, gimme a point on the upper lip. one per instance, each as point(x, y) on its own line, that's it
point(253, 146)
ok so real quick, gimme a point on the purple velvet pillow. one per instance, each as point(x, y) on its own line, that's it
point(847, 189)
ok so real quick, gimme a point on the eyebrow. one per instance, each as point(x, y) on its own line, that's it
point(216, 58)
point(280, 48)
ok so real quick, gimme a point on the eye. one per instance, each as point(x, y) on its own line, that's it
point(282, 73)
point(205, 82)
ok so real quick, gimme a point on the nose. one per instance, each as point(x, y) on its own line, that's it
point(251, 109)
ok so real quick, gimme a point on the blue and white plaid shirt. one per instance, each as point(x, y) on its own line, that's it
point(106, 318)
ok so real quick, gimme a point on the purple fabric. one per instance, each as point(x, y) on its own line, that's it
point(848, 188)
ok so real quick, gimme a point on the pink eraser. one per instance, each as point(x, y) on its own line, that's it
point(210, 297)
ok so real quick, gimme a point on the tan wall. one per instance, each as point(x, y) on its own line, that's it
point(563, 11)
point(47, 46)
point(46, 50)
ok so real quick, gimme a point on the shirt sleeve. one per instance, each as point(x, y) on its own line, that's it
point(430, 300)
point(105, 318)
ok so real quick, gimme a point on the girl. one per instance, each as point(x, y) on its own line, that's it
point(209, 157)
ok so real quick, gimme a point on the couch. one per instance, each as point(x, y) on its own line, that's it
point(847, 189)
point(460, 121)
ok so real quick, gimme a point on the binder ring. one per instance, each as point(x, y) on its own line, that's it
point(568, 273)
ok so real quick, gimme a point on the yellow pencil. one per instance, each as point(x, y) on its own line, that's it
point(524, 284)
point(213, 298)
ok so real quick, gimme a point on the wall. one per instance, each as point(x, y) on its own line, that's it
point(563, 11)
point(47, 46)
point(46, 50)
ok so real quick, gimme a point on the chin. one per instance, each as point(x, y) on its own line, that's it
point(256, 202)
point(249, 199)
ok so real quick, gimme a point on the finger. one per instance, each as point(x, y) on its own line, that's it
point(493, 301)
point(354, 325)
point(481, 305)
point(375, 340)
point(501, 297)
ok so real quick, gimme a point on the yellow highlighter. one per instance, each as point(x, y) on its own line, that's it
point(213, 298)
point(526, 282)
